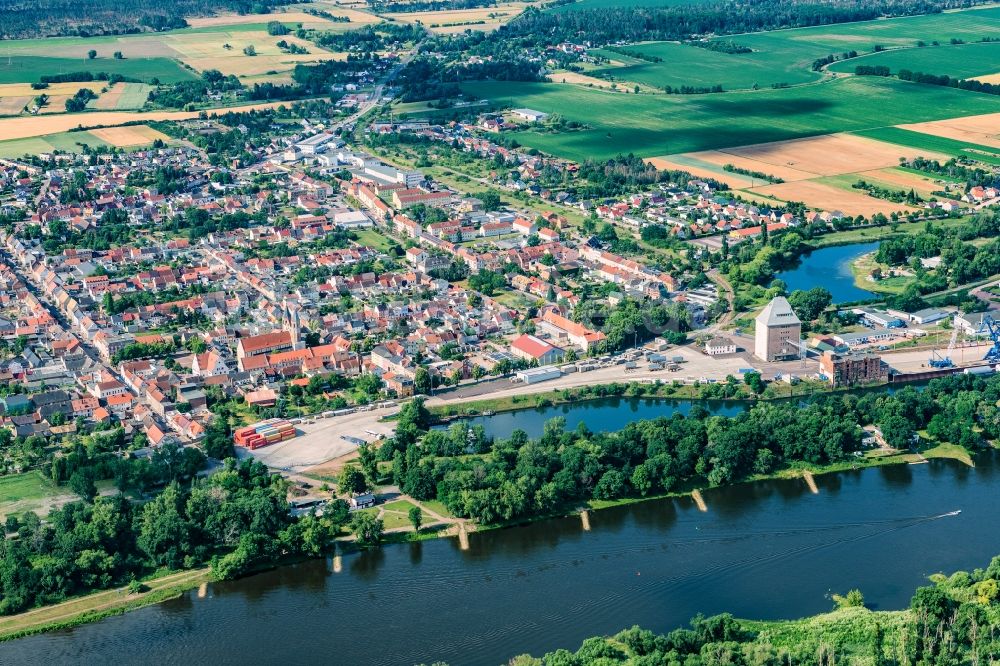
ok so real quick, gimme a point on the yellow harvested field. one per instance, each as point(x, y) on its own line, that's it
point(129, 135)
point(17, 89)
point(806, 164)
point(356, 11)
point(56, 104)
point(988, 78)
point(28, 126)
point(583, 80)
point(830, 154)
point(458, 20)
point(109, 100)
point(902, 180)
point(723, 157)
point(204, 51)
point(828, 197)
point(734, 180)
point(12, 106)
point(984, 130)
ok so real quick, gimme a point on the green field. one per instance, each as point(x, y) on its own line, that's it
point(28, 69)
point(134, 96)
point(929, 142)
point(24, 492)
point(690, 65)
point(962, 60)
point(786, 56)
point(650, 125)
point(66, 141)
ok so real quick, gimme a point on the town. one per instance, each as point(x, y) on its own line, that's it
point(310, 289)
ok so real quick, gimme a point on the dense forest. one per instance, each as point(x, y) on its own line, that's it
point(21, 19)
point(680, 22)
point(232, 520)
point(517, 477)
point(952, 621)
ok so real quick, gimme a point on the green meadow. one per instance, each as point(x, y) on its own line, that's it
point(650, 125)
point(786, 56)
point(937, 144)
point(29, 69)
point(962, 60)
point(65, 141)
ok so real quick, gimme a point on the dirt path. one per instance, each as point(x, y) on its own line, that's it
point(95, 603)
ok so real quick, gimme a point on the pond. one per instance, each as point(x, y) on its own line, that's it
point(830, 268)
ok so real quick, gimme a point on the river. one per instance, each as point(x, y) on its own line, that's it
point(830, 267)
point(764, 550)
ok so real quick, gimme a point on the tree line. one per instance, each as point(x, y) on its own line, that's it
point(20, 19)
point(232, 520)
point(607, 25)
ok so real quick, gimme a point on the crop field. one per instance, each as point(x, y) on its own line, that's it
point(650, 125)
point(129, 135)
point(689, 65)
point(122, 97)
point(216, 43)
point(66, 141)
point(926, 143)
point(961, 60)
point(826, 196)
point(27, 69)
point(30, 126)
point(458, 20)
point(974, 129)
point(786, 56)
point(819, 171)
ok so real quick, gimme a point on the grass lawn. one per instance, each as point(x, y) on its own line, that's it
point(401, 517)
point(372, 238)
point(26, 492)
point(438, 508)
point(938, 144)
point(516, 300)
point(30, 485)
point(863, 267)
point(28, 69)
point(953, 451)
point(650, 125)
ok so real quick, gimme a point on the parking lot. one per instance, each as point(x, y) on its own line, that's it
point(324, 439)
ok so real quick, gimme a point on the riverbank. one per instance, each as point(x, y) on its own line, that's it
point(97, 606)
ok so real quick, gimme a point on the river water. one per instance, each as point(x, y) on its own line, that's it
point(830, 268)
point(764, 550)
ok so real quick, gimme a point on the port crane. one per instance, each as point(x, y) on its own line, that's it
point(989, 326)
point(944, 361)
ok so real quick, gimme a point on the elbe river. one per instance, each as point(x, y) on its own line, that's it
point(764, 550)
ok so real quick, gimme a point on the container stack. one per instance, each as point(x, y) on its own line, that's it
point(264, 433)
